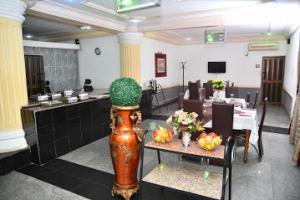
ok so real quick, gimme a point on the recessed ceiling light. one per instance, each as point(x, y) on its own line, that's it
point(137, 19)
point(188, 38)
point(178, 0)
point(85, 27)
point(28, 36)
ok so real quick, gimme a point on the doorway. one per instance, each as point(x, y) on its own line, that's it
point(272, 79)
point(34, 74)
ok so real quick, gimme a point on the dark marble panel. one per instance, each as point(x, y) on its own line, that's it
point(60, 123)
point(44, 118)
point(72, 111)
point(75, 134)
point(62, 146)
point(46, 147)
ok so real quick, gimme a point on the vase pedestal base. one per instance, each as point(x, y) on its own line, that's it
point(126, 193)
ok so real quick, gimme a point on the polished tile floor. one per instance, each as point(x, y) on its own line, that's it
point(275, 178)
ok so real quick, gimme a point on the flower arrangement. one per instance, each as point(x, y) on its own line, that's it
point(125, 92)
point(185, 122)
point(218, 84)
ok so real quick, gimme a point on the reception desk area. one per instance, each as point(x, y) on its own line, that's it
point(54, 131)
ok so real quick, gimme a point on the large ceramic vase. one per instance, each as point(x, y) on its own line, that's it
point(125, 142)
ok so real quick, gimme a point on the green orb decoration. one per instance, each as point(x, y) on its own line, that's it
point(125, 92)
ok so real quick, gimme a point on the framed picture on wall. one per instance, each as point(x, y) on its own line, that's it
point(160, 65)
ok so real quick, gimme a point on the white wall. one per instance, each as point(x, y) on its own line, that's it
point(102, 69)
point(291, 65)
point(148, 48)
point(240, 68)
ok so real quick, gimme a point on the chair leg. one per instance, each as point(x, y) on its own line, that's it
point(246, 147)
point(260, 148)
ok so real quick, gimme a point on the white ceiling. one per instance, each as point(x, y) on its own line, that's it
point(42, 28)
point(189, 18)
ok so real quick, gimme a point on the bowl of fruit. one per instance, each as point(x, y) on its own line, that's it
point(209, 141)
point(162, 135)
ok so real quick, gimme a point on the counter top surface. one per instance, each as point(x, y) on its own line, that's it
point(36, 107)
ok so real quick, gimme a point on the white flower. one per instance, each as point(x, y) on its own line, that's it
point(169, 120)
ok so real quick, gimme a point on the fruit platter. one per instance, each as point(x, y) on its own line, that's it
point(209, 141)
point(162, 135)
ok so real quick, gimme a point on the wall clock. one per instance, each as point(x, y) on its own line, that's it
point(97, 51)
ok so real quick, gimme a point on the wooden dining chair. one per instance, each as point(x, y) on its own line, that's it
point(261, 124)
point(255, 99)
point(245, 138)
point(232, 90)
point(208, 90)
point(222, 120)
point(194, 90)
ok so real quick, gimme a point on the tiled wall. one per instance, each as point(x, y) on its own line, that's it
point(60, 65)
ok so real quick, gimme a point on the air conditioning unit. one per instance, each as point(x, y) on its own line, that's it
point(262, 46)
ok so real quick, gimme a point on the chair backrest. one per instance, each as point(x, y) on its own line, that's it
point(193, 106)
point(194, 90)
point(208, 90)
point(262, 117)
point(180, 100)
point(255, 99)
point(232, 90)
point(222, 119)
point(202, 93)
point(248, 97)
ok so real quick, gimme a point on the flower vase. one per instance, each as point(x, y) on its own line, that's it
point(219, 95)
point(186, 139)
point(125, 143)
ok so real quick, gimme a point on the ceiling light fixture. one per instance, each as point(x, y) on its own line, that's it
point(269, 30)
point(86, 27)
point(137, 19)
point(188, 38)
point(130, 5)
point(28, 36)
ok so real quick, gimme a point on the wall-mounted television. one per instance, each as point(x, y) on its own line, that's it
point(216, 67)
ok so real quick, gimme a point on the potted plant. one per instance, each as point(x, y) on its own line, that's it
point(125, 139)
point(219, 87)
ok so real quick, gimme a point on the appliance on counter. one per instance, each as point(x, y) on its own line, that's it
point(39, 97)
point(83, 96)
point(71, 99)
point(88, 85)
point(68, 93)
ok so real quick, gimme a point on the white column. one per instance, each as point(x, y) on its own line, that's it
point(13, 90)
point(130, 52)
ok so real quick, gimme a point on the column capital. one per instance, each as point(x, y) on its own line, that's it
point(130, 38)
point(13, 9)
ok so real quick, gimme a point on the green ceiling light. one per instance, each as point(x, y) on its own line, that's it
point(124, 3)
point(214, 36)
point(131, 5)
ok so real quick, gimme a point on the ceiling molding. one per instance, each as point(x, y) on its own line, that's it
point(171, 24)
point(52, 45)
point(162, 38)
point(49, 7)
point(65, 37)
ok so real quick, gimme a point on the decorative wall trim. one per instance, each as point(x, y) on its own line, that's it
point(12, 9)
point(130, 38)
point(12, 141)
point(162, 38)
point(53, 45)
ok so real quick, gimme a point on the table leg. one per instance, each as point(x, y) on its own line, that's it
point(158, 156)
point(246, 147)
